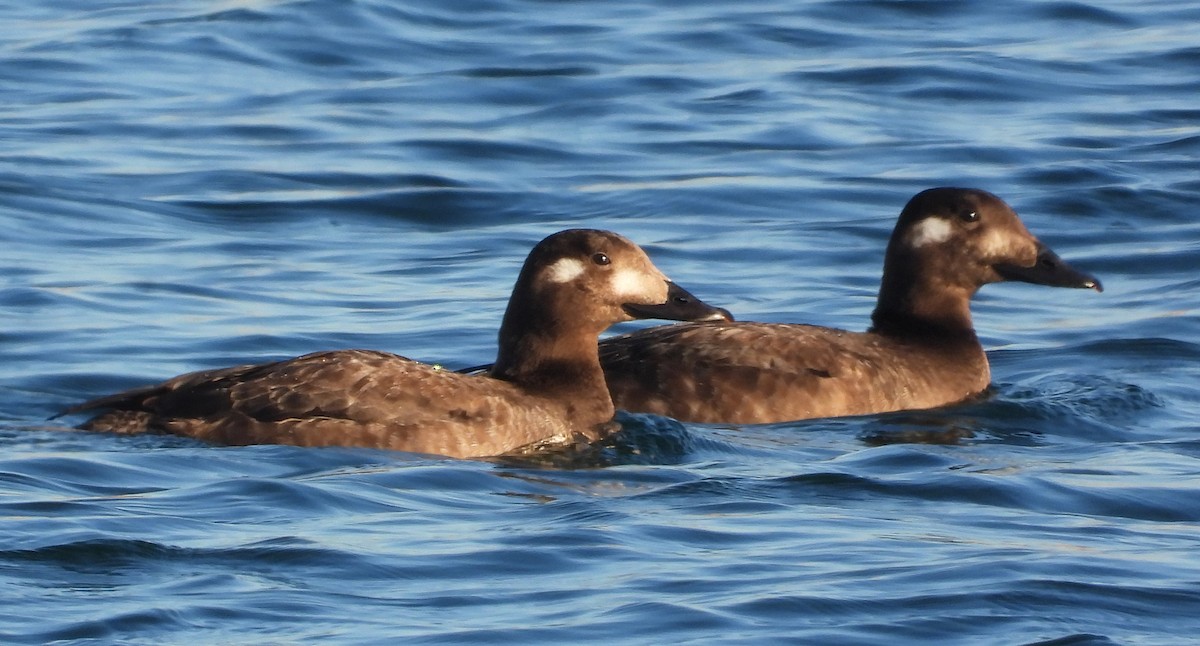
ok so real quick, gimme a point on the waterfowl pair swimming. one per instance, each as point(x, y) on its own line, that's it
point(920, 352)
point(545, 387)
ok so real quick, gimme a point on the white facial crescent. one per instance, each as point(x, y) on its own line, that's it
point(564, 270)
point(628, 283)
point(929, 231)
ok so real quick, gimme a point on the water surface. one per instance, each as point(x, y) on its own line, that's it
point(188, 185)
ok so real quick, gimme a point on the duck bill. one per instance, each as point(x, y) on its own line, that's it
point(1050, 270)
point(680, 306)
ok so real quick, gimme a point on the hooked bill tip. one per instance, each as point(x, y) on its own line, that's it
point(721, 314)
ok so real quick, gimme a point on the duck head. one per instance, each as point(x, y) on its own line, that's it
point(604, 278)
point(573, 286)
point(949, 242)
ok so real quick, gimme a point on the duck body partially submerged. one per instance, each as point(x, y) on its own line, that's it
point(920, 352)
point(546, 386)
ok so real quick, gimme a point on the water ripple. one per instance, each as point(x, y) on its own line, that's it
point(194, 186)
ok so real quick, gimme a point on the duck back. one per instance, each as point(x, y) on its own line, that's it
point(750, 373)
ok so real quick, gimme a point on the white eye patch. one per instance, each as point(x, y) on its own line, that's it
point(564, 270)
point(929, 231)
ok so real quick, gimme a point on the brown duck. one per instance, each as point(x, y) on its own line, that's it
point(546, 386)
point(920, 352)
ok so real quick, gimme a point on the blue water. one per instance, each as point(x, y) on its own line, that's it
point(189, 185)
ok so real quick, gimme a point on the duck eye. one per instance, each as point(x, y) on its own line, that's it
point(601, 259)
point(968, 216)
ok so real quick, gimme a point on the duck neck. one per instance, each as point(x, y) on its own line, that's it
point(541, 355)
point(919, 309)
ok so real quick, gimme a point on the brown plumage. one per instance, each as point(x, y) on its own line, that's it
point(546, 387)
point(921, 351)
